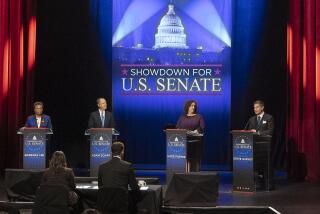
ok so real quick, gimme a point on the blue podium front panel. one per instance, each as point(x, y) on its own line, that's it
point(176, 150)
point(34, 150)
point(243, 164)
point(100, 150)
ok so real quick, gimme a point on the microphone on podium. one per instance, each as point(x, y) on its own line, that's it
point(246, 126)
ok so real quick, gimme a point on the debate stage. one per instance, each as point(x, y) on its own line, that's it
point(288, 197)
point(148, 59)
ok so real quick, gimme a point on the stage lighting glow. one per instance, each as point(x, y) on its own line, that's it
point(135, 15)
point(32, 43)
point(205, 13)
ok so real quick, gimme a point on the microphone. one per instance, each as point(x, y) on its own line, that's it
point(246, 126)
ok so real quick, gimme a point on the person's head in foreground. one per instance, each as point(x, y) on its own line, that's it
point(58, 160)
point(117, 149)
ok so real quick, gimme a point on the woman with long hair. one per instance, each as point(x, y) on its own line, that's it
point(59, 174)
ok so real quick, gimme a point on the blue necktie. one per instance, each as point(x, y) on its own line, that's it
point(102, 119)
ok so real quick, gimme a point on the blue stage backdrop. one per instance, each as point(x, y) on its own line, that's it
point(165, 53)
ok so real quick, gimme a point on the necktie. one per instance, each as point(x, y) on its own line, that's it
point(259, 118)
point(102, 119)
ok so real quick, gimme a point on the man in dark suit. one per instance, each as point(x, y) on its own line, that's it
point(101, 118)
point(117, 173)
point(262, 123)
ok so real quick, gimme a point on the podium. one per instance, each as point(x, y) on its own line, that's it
point(34, 145)
point(181, 144)
point(251, 160)
point(100, 147)
point(176, 141)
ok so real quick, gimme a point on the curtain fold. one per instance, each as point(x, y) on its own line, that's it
point(17, 58)
point(303, 125)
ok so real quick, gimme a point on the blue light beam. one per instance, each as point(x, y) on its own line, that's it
point(205, 13)
point(136, 14)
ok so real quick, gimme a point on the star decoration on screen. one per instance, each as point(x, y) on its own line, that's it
point(217, 71)
point(124, 72)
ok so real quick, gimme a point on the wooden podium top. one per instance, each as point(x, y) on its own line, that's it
point(242, 131)
point(95, 130)
point(179, 130)
point(189, 133)
point(33, 129)
point(100, 129)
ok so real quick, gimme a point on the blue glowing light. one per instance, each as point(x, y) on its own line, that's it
point(136, 14)
point(205, 13)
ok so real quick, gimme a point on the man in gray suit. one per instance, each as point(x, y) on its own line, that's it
point(101, 118)
point(262, 123)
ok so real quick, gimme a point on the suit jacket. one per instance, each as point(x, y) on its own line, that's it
point(265, 126)
point(95, 120)
point(32, 122)
point(62, 176)
point(117, 173)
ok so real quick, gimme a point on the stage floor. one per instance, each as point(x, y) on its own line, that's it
point(288, 197)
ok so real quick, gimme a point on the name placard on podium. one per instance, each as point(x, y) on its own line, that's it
point(176, 150)
point(243, 161)
point(34, 147)
point(100, 147)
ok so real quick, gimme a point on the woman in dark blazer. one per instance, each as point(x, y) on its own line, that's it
point(193, 122)
point(59, 174)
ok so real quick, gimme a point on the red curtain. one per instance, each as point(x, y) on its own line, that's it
point(17, 58)
point(303, 59)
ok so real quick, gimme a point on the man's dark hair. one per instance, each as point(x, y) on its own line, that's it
point(188, 104)
point(259, 102)
point(38, 103)
point(117, 147)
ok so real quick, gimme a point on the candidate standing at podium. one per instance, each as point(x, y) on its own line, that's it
point(38, 120)
point(194, 124)
point(101, 118)
point(262, 123)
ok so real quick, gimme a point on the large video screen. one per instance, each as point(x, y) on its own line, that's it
point(165, 53)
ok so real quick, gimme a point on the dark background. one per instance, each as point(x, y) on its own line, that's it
point(71, 70)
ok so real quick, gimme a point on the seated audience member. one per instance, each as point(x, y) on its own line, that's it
point(117, 173)
point(59, 174)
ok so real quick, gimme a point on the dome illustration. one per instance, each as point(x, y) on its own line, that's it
point(170, 31)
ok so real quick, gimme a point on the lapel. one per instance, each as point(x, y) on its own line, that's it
point(255, 122)
point(106, 118)
point(99, 119)
point(35, 121)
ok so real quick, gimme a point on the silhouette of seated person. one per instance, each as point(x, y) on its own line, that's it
point(59, 174)
point(114, 178)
